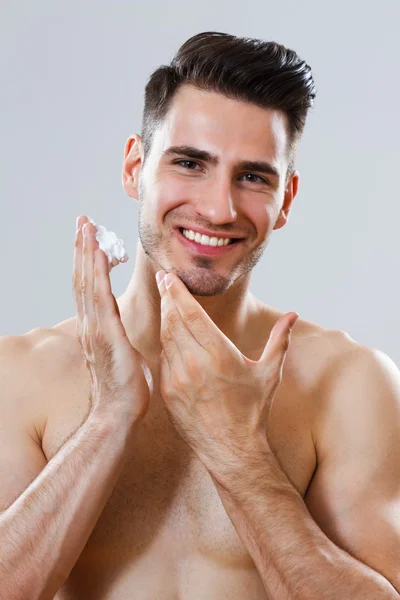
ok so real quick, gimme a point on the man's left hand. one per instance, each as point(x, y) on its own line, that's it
point(218, 399)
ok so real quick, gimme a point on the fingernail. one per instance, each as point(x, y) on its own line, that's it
point(85, 230)
point(159, 277)
point(169, 280)
point(77, 223)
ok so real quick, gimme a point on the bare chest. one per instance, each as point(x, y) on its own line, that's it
point(165, 511)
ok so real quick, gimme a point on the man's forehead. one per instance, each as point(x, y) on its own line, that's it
point(199, 108)
point(225, 127)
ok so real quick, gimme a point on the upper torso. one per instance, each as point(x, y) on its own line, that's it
point(163, 533)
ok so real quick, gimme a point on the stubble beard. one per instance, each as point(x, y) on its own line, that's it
point(210, 283)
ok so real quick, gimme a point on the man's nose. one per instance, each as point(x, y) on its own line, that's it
point(217, 203)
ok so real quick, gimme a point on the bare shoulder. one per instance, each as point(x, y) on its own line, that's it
point(32, 366)
point(355, 385)
point(313, 350)
point(325, 357)
point(319, 344)
point(329, 369)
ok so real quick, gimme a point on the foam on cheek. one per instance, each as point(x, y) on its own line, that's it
point(113, 247)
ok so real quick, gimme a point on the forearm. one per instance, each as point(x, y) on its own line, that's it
point(45, 530)
point(295, 559)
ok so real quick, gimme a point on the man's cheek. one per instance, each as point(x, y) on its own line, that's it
point(177, 193)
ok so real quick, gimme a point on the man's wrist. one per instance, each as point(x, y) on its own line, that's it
point(113, 422)
point(234, 462)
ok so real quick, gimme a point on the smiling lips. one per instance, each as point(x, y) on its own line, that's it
point(209, 234)
point(198, 248)
point(205, 239)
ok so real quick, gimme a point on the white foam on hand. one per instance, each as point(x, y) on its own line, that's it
point(112, 246)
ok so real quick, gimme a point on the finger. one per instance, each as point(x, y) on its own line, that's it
point(90, 244)
point(279, 341)
point(169, 346)
point(105, 305)
point(197, 321)
point(175, 336)
point(115, 261)
point(77, 270)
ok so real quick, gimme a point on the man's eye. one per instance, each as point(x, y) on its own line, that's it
point(262, 180)
point(191, 162)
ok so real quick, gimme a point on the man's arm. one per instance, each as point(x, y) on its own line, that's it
point(47, 511)
point(359, 495)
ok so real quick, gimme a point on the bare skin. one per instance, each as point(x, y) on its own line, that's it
point(164, 533)
point(164, 530)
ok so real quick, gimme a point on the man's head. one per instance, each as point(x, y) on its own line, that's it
point(237, 100)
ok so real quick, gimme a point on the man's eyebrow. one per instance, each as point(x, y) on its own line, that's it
point(244, 165)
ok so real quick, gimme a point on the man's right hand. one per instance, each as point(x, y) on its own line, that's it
point(117, 370)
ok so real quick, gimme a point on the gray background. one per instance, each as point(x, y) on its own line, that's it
point(72, 83)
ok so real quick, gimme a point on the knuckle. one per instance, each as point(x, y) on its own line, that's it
point(83, 284)
point(192, 365)
point(98, 298)
point(192, 316)
point(285, 344)
point(215, 348)
point(166, 334)
point(181, 380)
point(173, 318)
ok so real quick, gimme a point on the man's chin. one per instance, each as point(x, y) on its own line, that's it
point(203, 285)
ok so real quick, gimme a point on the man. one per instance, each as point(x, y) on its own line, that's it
point(241, 460)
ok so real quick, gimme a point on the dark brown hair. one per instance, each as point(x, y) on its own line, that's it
point(266, 74)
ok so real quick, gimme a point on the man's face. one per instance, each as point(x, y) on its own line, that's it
point(177, 189)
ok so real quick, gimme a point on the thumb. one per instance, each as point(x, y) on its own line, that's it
point(279, 339)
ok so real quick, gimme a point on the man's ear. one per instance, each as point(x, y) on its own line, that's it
point(133, 157)
point(290, 194)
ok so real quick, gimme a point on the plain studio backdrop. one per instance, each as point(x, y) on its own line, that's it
point(72, 87)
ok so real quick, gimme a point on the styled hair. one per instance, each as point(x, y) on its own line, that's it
point(263, 73)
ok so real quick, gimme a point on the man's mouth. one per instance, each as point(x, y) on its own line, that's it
point(231, 240)
point(206, 249)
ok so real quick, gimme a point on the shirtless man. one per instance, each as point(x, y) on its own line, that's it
point(102, 498)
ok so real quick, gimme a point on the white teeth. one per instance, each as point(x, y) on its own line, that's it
point(205, 240)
